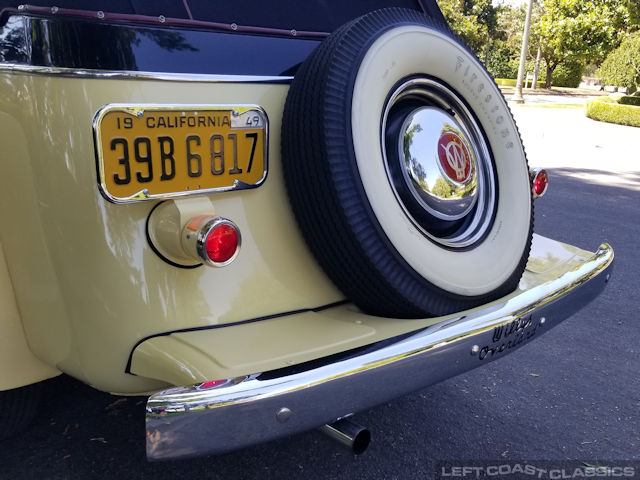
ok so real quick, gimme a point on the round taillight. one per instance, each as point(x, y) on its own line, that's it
point(540, 182)
point(215, 241)
point(218, 242)
point(221, 243)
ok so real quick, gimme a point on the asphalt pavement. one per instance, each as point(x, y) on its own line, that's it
point(573, 393)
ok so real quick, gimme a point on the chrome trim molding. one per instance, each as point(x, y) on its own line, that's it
point(129, 75)
point(234, 413)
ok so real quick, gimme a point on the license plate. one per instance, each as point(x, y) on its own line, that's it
point(163, 151)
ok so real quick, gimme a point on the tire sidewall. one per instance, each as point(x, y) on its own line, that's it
point(413, 50)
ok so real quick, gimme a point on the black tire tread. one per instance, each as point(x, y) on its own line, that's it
point(327, 196)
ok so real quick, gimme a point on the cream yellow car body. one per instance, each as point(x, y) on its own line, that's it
point(99, 288)
point(83, 292)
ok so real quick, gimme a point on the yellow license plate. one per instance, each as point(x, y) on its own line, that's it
point(164, 151)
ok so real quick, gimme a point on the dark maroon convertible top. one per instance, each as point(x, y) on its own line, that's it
point(299, 15)
point(226, 37)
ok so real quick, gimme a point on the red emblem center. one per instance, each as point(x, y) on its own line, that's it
point(454, 157)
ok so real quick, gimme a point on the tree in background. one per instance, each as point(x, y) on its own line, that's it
point(622, 66)
point(633, 6)
point(474, 21)
point(570, 33)
point(505, 54)
point(580, 31)
point(493, 32)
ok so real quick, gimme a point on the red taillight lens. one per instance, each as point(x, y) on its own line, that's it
point(540, 182)
point(221, 243)
point(215, 241)
point(211, 384)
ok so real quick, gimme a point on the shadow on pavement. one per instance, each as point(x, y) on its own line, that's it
point(627, 180)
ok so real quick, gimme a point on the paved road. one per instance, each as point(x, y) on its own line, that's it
point(571, 394)
point(566, 138)
point(557, 95)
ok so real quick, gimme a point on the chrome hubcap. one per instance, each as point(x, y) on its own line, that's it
point(438, 163)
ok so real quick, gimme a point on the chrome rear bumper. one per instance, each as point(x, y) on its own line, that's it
point(223, 416)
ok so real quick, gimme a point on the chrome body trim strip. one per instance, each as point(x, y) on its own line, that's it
point(130, 75)
point(224, 415)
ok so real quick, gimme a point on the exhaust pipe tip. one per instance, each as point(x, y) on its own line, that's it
point(351, 435)
point(361, 441)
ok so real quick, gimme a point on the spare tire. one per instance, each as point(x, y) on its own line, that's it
point(405, 169)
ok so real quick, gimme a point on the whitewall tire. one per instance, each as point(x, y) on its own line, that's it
point(405, 168)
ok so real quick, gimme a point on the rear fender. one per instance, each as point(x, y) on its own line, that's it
point(18, 365)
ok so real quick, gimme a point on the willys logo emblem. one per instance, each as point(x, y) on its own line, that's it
point(454, 157)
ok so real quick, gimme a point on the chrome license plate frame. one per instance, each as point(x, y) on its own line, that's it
point(145, 147)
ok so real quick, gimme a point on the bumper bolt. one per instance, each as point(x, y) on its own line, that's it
point(283, 415)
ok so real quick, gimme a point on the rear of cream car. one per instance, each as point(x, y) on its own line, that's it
point(261, 347)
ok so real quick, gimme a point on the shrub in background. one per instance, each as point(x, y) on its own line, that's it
point(607, 109)
point(630, 100)
point(499, 63)
point(511, 82)
point(529, 68)
point(567, 74)
point(622, 66)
